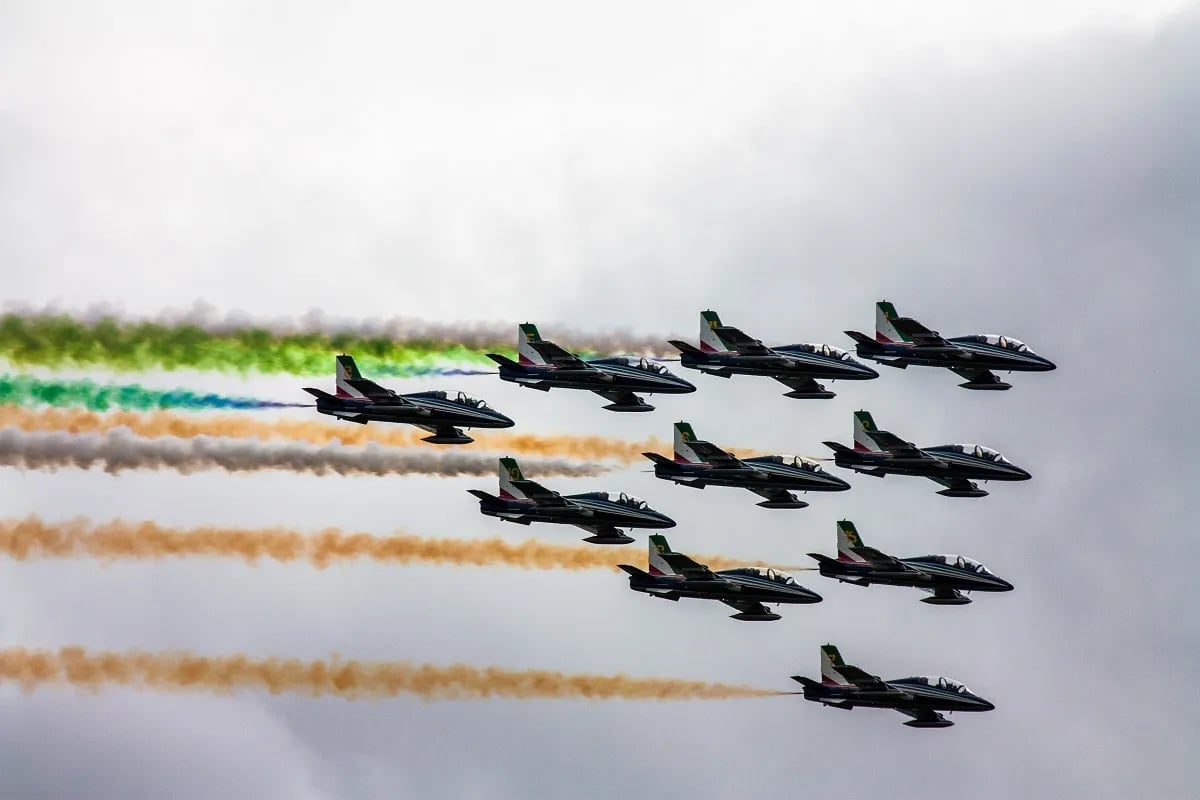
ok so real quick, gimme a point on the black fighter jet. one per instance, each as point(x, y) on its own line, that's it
point(881, 453)
point(725, 351)
point(602, 514)
point(362, 401)
point(901, 341)
point(845, 686)
point(699, 464)
point(945, 577)
point(544, 365)
point(746, 589)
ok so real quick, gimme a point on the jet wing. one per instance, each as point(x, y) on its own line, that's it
point(741, 343)
point(377, 393)
point(715, 455)
point(540, 494)
point(689, 569)
point(898, 448)
point(865, 681)
point(920, 335)
point(558, 358)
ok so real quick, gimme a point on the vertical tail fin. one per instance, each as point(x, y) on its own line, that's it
point(526, 354)
point(710, 341)
point(509, 471)
point(864, 426)
point(885, 331)
point(848, 542)
point(684, 454)
point(345, 370)
point(831, 660)
point(658, 565)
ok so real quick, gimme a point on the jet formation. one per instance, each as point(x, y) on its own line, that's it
point(725, 351)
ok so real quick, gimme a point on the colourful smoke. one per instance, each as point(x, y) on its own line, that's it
point(336, 677)
point(26, 390)
point(59, 340)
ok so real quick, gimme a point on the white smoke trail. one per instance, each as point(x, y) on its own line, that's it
point(119, 450)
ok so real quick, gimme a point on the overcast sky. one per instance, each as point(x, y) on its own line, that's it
point(1002, 168)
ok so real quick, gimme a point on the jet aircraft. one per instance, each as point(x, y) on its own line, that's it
point(725, 351)
point(602, 514)
point(362, 401)
point(544, 365)
point(699, 464)
point(881, 453)
point(845, 686)
point(945, 577)
point(901, 341)
point(746, 589)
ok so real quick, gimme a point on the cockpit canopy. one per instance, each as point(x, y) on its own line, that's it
point(829, 351)
point(979, 451)
point(643, 364)
point(795, 461)
point(626, 500)
point(939, 682)
point(779, 576)
point(962, 562)
point(1016, 345)
point(474, 402)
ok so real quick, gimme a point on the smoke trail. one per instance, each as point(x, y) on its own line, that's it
point(26, 390)
point(119, 450)
point(31, 538)
point(186, 341)
point(347, 679)
point(162, 423)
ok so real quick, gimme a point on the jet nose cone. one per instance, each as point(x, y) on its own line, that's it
point(838, 484)
point(865, 371)
point(1003, 585)
point(1022, 475)
point(503, 421)
point(984, 705)
point(665, 522)
point(685, 387)
point(1048, 365)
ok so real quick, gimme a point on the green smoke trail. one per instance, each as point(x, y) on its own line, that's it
point(60, 341)
point(25, 390)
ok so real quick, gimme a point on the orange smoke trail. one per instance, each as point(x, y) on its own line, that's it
point(31, 538)
point(164, 423)
point(348, 679)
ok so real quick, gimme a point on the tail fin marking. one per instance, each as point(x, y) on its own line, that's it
point(510, 471)
point(658, 565)
point(831, 660)
point(864, 426)
point(527, 333)
point(684, 454)
point(710, 340)
point(885, 331)
point(345, 371)
point(848, 542)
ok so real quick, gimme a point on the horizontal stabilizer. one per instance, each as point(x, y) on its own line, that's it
point(809, 682)
point(504, 361)
point(863, 340)
point(684, 347)
point(837, 448)
point(320, 395)
point(634, 571)
point(482, 495)
point(659, 459)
